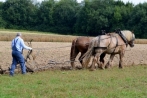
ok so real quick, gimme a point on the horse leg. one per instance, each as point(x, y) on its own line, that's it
point(73, 60)
point(102, 57)
point(96, 59)
point(110, 61)
point(81, 60)
point(121, 55)
point(92, 67)
point(73, 55)
point(101, 64)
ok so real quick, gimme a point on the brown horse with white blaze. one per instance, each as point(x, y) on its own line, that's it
point(114, 43)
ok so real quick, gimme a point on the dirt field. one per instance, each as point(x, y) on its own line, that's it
point(57, 54)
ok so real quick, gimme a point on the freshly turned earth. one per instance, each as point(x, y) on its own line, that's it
point(55, 55)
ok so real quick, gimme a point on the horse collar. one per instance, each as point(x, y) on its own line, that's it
point(123, 37)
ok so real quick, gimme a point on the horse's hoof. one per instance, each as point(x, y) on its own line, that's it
point(92, 69)
point(70, 68)
point(120, 67)
point(106, 67)
point(78, 68)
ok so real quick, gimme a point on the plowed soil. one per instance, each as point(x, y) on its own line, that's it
point(57, 54)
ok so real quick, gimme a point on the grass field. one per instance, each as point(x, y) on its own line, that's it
point(130, 82)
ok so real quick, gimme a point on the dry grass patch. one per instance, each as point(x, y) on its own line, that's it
point(141, 41)
point(8, 35)
point(37, 37)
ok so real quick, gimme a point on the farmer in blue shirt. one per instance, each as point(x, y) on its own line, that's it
point(17, 47)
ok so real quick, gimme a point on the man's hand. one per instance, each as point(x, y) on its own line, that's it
point(30, 49)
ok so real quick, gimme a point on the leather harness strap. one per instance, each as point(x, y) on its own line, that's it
point(111, 41)
point(99, 40)
point(116, 44)
point(123, 37)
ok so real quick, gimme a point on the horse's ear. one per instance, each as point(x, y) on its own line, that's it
point(118, 29)
point(132, 32)
point(115, 31)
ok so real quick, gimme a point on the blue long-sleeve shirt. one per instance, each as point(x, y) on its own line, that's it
point(19, 43)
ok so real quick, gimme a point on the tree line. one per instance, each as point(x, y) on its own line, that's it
point(70, 17)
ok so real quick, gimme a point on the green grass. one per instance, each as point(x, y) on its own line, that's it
point(130, 82)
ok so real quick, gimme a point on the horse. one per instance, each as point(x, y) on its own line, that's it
point(112, 43)
point(81, 44)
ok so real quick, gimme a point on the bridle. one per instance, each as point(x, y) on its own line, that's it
point(123, 37)
point(133, 37)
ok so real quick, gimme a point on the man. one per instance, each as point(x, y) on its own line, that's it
point(17, 47)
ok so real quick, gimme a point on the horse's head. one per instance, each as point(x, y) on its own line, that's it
point(131, 42)
point(130, 36)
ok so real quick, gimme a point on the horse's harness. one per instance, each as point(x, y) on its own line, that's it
point(124, 38)
point(121, 35)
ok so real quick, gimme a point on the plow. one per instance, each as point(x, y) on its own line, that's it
point(33, 66)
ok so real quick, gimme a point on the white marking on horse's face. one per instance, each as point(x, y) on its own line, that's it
point(131, 43)
point(130, 37)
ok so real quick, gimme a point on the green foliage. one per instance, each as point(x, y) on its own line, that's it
point(138, 20)
point(45, 18)
point(19, 14)
point(94, 16)
point(129, 82)
point(64, 16)
point(69, 17)
point(2, 22)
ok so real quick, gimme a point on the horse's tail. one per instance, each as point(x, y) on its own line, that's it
point(73, 52)
point(72, 49)
point(87, 56)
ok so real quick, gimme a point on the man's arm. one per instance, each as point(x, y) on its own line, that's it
point(24, 46)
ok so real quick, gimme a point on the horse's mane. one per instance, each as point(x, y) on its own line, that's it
point(112, 33)
point(128, 34)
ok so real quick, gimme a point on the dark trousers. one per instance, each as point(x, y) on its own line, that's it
point(17, 58)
